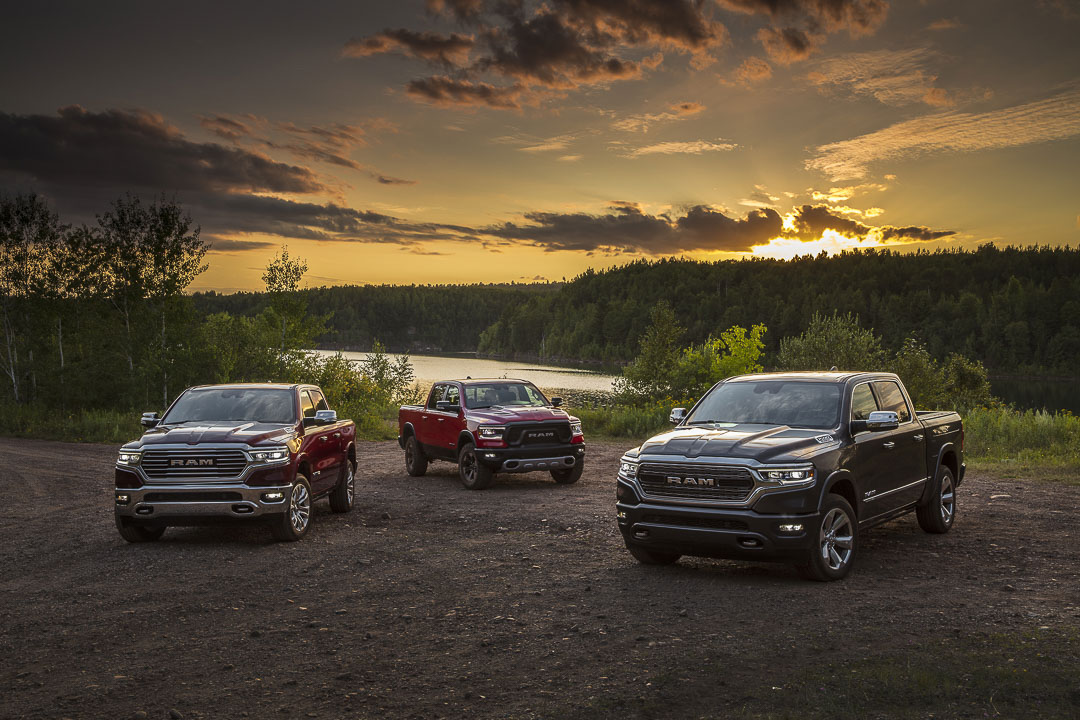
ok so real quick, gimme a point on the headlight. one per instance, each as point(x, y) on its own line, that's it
point(492, 432)
point(271, 456)
point(628, 470)
point(789, 477)
point(575, 428)
point(128, 457)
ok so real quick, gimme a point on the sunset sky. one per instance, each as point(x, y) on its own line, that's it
point(460, 141)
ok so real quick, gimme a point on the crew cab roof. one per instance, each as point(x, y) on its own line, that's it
point(260, 386)
point(477, 381)
point(832, 376)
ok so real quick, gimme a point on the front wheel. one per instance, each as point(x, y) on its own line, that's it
point(341, 499)
point(296, 521)
point(833, 551)
point(569, 476)
point(474, 474)
point(138, 533)
point(940, 512)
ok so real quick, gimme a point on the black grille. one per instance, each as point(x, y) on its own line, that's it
point(192, 497)
point(193, 463)
point(713, 524)
point(538, 434)
point(718, 483)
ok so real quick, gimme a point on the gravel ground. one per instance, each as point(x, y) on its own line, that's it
point(429, 600)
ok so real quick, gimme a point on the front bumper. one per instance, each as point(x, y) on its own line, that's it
point(740, 534)
point(190, 503)
point(521, 459)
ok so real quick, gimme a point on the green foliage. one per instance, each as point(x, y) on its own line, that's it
point(699, 367)
point(1001, 434)
point(649, 376)
point(831, 341)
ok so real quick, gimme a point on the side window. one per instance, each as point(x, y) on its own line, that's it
point(891, 398)
point(862, 402)
point(319, 400)
point(534, 395)
point(307, 407)
point(436, 396)
point(452, 395)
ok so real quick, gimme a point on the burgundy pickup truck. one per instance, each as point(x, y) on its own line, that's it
point(489, 426)
point(236, 453)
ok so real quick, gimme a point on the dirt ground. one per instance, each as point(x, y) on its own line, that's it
point(429, 600)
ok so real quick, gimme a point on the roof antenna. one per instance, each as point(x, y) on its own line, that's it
point(832, 369)
point(468, 377)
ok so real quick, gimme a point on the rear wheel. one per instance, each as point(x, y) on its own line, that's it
point(652, 557)
point(474, 474)
point(940, 512)
point(833, 551)
point(569, 476)
point(341, 499)
point(296, 521)
point(415, 460)
point(138, 533)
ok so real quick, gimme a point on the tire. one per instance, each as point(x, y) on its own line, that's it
point(474, 474)
point(652, 557)
point(415, 460)
point(835, 542)
point(569, 476)
point(295, 522)
point(138, 533)
point(939, 514)
point(341, 498)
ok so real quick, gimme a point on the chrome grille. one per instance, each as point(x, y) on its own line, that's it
point(177, 464)
point(722, 483)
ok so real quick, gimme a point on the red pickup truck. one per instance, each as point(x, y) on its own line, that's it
point(489, 426)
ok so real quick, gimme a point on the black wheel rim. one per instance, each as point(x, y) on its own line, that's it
point(468, 466)
point(409, 454)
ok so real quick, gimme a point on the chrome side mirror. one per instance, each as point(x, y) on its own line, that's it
point(149, 420)
point(882, 420)
point(325, 417)
point(677, 415)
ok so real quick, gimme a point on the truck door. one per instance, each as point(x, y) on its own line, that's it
point(905, 447)
point(448, 423)
point(316, 444)
point(871, 463)
point(335, 444)
point(428, 432)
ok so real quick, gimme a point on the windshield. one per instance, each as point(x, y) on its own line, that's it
point(267, 405)
point(771, 402)
point(507, 394)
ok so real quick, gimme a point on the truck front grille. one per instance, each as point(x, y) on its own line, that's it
point(538, 434)
point(714, 483)
point(176, 464)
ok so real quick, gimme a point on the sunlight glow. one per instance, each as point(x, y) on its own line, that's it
point(831, 242)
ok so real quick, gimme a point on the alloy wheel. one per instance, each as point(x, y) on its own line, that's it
point(948, 498)
point(299, 507)
point(836, 539)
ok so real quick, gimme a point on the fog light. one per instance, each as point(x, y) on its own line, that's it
point(621, 515)
point(791, 528)
point(123, 499)
point(489, 456)
point(273, 496)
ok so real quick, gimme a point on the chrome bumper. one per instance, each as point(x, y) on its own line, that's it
point(204, 500)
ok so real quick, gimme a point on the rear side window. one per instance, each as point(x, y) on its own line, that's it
point(891, 398)
point(862, 402)
point(436, 396)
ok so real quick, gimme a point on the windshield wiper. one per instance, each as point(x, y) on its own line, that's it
point(704, 422)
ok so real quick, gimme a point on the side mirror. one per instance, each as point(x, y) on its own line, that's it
point(556, 401)
point(149, 420)
point(878, 421)
point(325, 417)
point(447, 406)
point(677, 415)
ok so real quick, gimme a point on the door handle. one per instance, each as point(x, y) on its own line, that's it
point(423, 417)
point(918, 438)
point(323, 438)
point(337, 434)
point(441, 419)
point(889, 445)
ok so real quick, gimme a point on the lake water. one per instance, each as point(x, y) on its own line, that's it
point(1038, 393)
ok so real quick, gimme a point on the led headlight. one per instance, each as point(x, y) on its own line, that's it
point(789, 477)
point(128, 457)
point(491, 432)
point(271, 456)
point(575, 428)
point(628, 470)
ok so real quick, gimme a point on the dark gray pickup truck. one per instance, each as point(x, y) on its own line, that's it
point(788, 467)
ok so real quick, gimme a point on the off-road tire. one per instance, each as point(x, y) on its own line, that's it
point(939, 514)
point(473, 473)
point(138, 533)
point(652, 557)
point(415, 460)
point(834, 542)
point(569, 476)
point(341, 498)
point(296, 503)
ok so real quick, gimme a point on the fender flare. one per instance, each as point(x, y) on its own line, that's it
point(406, 430)
point(938, 462)
point(838, 476)
point(463, 437)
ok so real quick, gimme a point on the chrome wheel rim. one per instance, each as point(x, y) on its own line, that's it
point(468, 466)
point(349, 481)
point(948, 499)
point(836, 538)
point(299, 507)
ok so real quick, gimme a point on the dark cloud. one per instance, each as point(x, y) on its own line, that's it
point(858, 17)
point(626, 228)
point(460, 9)
point(913, 232)
point(136, 149)
point(442, 90)
point(228, 244)
point(813, 220)
point(679, 24)
point(786, 46)
point(434, 47)
point(228, 127)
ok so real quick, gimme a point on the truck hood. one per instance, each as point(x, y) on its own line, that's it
point(497, 414)
point(764, 443)
point(240, 433)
